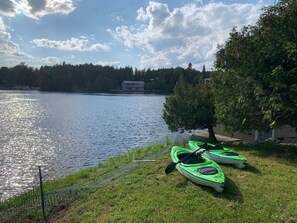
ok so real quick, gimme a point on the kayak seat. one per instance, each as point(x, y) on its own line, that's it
point(210, 147)
point(218, 147)
point(208, 170)
point(190, 159)
point(230, 154)
point(205, 146)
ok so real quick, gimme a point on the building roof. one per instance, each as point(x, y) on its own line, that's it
point(133, 82)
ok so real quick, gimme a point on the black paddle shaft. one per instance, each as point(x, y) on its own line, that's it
point(172, 165)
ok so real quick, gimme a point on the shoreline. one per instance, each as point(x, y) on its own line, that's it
point(114, 190)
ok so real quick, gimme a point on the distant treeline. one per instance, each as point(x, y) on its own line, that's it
point(93, 78)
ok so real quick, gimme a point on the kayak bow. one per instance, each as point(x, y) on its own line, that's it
point(219, 154)
point(198, 168)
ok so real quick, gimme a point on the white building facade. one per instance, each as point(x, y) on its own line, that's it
point(133, 86)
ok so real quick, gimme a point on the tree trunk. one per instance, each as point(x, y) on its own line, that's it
point(211, 135)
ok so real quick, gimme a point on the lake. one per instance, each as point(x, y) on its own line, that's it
point(68, 132)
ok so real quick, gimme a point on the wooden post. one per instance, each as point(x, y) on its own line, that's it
point(41, 194)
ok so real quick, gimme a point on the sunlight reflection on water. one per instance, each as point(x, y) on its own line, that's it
point(68, 132)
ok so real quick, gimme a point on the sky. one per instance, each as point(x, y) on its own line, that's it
point(120, 33)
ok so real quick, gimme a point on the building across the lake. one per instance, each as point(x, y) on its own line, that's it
point(133, 86)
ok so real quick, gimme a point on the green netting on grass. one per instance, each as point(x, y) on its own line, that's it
point(27, 207)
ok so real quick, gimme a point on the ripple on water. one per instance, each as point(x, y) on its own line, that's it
point(68, 132)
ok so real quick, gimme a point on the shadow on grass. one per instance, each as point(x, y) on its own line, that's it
point(250, 168)
point(284, 153)
point(231, 191)
point(183, 184)
point(247, 168)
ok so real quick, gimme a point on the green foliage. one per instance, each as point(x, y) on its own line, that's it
point(47, 80)
point(256, 79)
point(92, 78)
point(190, 107)
point(236, 107)
point(4, 77)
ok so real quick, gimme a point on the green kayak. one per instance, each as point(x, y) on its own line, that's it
point(219, 154)
point(197, 168)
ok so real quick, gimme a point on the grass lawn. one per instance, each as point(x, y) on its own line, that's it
point(265, 191)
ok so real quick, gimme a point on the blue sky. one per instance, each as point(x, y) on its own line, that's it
point(139, 34)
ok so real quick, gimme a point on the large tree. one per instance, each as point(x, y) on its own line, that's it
point(190, 107)
point(255, 85)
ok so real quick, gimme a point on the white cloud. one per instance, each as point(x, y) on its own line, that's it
point(36, 8)
point(2, 26)
point(99, 47)
point(153, 61)
point(51, 6)
point(123, 34)
point(36, 5)
point(108, 63)
point(10, 52)
point(50, 60)
point(7, 7)
point(117, 18)
point(7, 47)
point(199, 2)
point(187, 34)
point(72, 44)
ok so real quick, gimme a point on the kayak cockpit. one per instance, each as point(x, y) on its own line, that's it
point(211, 147)
point(188, 158)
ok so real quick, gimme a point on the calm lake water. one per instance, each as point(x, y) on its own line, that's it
point(66, 133)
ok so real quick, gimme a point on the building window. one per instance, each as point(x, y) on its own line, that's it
point(133, 86)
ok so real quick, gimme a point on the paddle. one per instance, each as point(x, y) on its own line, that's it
point(172, 165)
point(211, 147)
